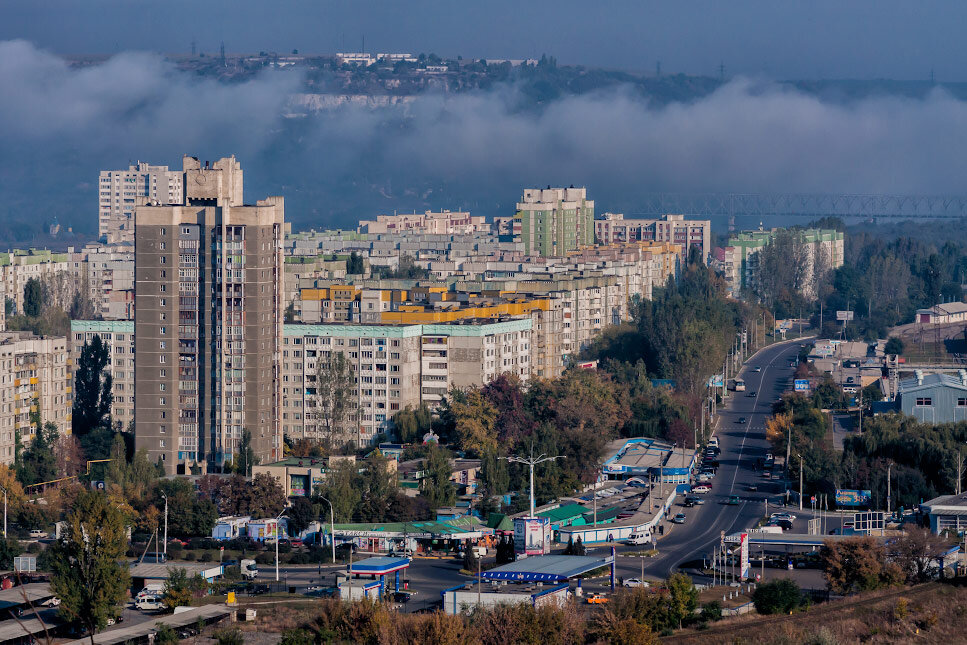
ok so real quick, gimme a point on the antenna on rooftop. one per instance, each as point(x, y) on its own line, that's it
point(194, 46)
point(222, 53)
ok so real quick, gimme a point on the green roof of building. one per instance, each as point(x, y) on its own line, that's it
point(562, 513)
point(604, 514)
point(451, 527)
point(500, 522)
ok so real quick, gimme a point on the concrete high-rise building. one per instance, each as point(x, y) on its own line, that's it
point(208, 322)
point(687, 234)
point(118, 192)
point(118, 337)
point(553, 221)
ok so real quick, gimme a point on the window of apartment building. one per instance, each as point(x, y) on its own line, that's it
point(394, 356)
point(962, 403)
point(163, 230)
point(924, 401)
point(394, 381)
point(163, 429)
point(162, 373)
point(162, 401)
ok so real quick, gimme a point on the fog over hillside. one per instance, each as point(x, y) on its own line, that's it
point(59, 126)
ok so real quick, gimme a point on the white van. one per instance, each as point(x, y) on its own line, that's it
point(149, 603)
point(639, 538)
point(714, 441)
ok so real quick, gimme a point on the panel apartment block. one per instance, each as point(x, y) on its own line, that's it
point(208, 322)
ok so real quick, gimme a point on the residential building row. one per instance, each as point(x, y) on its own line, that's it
point(740, 260)
point(17, 267)
point(392, 367)
point(36, 377)
point(613, 228)
point(553, 221)
point(443, 223)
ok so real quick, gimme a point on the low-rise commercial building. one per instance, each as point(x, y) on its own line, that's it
point(948, 312)
point(35, 377)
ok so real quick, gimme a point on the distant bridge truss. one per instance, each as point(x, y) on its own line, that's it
point(710, 205)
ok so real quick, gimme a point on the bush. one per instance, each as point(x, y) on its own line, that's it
point(894, 345)
point(711, 611)
point(229, 637)
point(296, 637)
point(778, 597)
point(206, 556)
point(189, 556)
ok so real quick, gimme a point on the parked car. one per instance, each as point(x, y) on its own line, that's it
point(636, 582)
point(596, 599)
point(51, 602)
point(296, 542)
point(402, 596)
point(679, 519)
point(782, 515)
point(702, 489)
point(37, 534)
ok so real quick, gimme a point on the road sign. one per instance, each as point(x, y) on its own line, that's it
point(744, 556)
point(801, 385)
point(844, 315)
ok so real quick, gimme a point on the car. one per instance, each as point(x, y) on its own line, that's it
point(688, 503)
point(258, 590)
point(177, 541)
point(402, 596)
point(296, 542)
point(752, 488)
point(741, 420)
point(597, 599)
point(782, 515)
point(756, 369)
point(766, 474)
point(679, 519)
point(637, 482)
point(636, 582)
point(37, 534)
point(695, 499)
point(702, 489)
point(51, 602)
point(733, 500)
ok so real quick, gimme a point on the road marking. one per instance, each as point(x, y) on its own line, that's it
point(748, 425)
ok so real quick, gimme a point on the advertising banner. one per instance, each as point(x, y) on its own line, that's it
point(744, 568)
point(532, 535)
point(849, 497)
point(801, 385)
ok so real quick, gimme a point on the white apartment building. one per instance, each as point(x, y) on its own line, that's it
point(118, 191)
point(395, 366)
point(444, 223)
point(118, 336)
point(35, 376)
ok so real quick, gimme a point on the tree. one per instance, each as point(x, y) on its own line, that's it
point(473, 420)
point(300, 515)
point(857, 564)
point(355, 265)
point(33, 298)
point(894, 345)
point(335, 390)
point(245, 459)
point(267, 496)
point(342, 487)
point(436, 486)
point(777, 597)
point(39, 463)
point(917, 552)
point(92, 389)
point(188, 516)
point(493, 471)
point(10, 548)
point(711, 611)
point(180, 588)
point(682, 597)
point(297, 637)
point(86, 574)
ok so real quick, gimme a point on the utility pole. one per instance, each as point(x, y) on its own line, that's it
point(800, 482)
point(889, 479)
point(278, 536)
point(332, 530)
point(533, 461)
point(165, 547)
point(960, 478)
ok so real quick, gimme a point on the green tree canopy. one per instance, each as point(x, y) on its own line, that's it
point(92, 389)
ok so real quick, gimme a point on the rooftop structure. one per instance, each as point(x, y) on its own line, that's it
point(935, 398)
point(546, 568)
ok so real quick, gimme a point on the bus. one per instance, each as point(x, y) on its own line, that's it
point(738, 385)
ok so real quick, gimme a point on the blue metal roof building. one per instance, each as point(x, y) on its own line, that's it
point(935, 398)
point(547, 568)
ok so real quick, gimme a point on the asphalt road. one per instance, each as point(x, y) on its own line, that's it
point(742, 445)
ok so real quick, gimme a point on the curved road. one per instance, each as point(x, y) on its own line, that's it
point(742, 445)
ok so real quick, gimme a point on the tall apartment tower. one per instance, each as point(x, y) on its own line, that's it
point(553, 221)
point(118, 193)
point(208, 322)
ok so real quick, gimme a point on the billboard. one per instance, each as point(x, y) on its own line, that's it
point(532, 535)
point(849, 497)
point(844, 315)
point(716, 380)
point(744, 567)
point(25, 564)
point(801, 385)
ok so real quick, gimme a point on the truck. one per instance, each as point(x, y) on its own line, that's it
point(249, 570)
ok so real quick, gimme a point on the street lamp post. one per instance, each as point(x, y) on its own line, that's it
point(531, 461)
point(277, 537)
point(164, 549)
point(332, 528)
point(4, 513)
